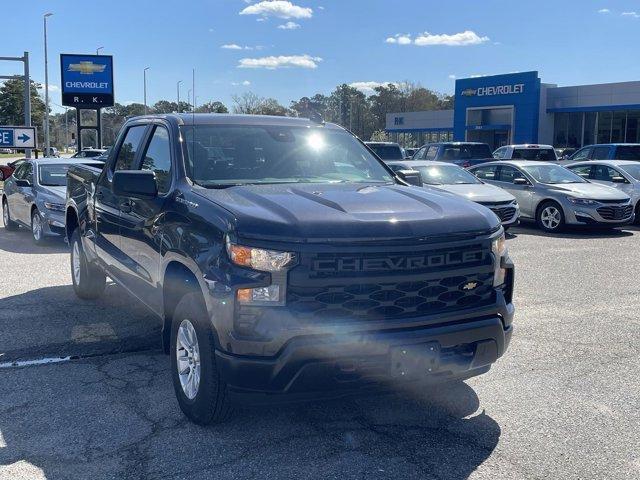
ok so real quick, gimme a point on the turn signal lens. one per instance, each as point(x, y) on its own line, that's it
point(240, 255)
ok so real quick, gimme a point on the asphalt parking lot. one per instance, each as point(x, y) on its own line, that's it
point(563, 403)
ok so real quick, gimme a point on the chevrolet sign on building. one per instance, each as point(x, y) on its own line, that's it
point(87, 80)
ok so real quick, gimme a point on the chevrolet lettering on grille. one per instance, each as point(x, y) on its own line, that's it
point(394, 263)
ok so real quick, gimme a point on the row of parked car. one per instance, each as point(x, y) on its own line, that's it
point(530, 182)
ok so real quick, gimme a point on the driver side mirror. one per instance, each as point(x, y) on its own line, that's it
point(520, 181)
point(412, 177)
point(135, 184)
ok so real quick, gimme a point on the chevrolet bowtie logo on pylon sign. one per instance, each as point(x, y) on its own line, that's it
point(469, 92)
point(87, 68)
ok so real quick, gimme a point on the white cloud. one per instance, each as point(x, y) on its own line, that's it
point(452, 77)
point(468, 37)
point(282, 61)
point(277, 8)
point(461, 39)
point(368, 88)
point(631, 14)
point(231, 46)
point(604, 10)
point(289, 26)
point(244, 83)
point(400, 39)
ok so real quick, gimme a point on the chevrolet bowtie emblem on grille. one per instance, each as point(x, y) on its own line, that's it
point(87, 68)
point(470, 286)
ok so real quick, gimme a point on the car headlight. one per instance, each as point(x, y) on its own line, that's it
point(499, 250)
point(259, 259)
point(56, 207)
point(582, 201)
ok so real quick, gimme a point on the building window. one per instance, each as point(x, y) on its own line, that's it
point(589, 128)
point(574, 130)
point(560, 129)
point(633, 127)
point(618, 126)
point(604, 127)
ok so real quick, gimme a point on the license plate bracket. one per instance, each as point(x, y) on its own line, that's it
point(412, 361)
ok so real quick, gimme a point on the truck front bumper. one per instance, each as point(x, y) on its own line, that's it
point(333, 365)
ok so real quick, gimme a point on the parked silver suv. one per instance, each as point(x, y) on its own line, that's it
point(554, 196)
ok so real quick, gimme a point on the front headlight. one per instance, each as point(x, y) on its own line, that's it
point(499, 250)
point(582, 201)
point(259, 259)
point(56, 207)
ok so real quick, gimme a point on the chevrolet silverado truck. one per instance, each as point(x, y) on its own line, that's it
point(285, 260)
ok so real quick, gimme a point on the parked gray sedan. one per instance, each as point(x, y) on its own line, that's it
point(452, 178)
point(623, 175)
point(554, 196)
point(35, 194)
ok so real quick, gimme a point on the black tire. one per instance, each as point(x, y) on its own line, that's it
point(211, 403)
point(6, 217)
point(548, 207)
point(88, 281)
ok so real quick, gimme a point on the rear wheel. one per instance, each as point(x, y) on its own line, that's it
point(37, 227)
point(550, 217)
point(6, 217)
point(88, 281)
point(201, 392)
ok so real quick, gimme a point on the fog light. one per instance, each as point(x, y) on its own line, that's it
point(270, 294)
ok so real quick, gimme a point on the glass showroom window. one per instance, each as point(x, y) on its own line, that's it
point(574, 130)
point(604, 127)
point(618, 126)
point(589, 128)
point(633, 127)
point(560, 129)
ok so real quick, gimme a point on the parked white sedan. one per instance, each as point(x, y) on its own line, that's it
point(455, 179)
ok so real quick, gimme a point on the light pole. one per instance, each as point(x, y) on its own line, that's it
point(178, 88)
point(98, 50)
point(99, 112)
point(189, 97)
point(145, 89)
point(46, 88)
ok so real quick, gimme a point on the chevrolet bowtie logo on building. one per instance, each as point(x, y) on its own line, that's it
point(87, 68)
point(469, 92)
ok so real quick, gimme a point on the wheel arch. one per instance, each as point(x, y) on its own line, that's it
point(71, 222)
point(547, 200)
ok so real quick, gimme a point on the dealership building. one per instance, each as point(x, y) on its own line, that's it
point(520, 108)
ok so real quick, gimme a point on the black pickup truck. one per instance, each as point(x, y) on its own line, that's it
point(463, 154)
point(285, 260)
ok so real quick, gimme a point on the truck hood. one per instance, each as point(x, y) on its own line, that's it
point(480, 192)
point(591, 190)
point(335, 212)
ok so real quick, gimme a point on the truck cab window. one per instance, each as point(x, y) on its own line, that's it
point(157, 158)
point(129, 147)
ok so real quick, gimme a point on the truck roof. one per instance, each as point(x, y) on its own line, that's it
point(237, 119)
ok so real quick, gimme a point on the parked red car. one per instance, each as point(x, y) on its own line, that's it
point(7, 170)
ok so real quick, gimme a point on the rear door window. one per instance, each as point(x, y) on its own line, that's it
point(129, 147)
point(432, 152)
point(507, 174)
point(628, 152)
point(605, 173)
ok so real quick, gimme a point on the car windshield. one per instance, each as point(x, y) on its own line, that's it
point(53, 175)
point(628, 152)
point(446, 175)
point(387, 152)
point(552, 174)
point(223, 155)
point(633, 170)
point(541, 154)
point(466, 152)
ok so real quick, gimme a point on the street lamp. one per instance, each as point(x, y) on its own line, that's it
point(145, 89)
point(189, 97)
point(46, 88)
point(98, 50)
point(178, 87)
point(99, 112)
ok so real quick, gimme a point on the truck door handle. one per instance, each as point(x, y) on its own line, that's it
point(126, 206)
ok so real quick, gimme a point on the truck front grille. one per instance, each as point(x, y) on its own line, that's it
point(376, 301)
point(616, 212)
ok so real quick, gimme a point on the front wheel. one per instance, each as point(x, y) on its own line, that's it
point(88, 281)
point(6, 217)
point(202, 394)
point(37, 227)
point(550, 217)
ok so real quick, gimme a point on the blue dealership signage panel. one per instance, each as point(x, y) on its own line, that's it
point(87, 80)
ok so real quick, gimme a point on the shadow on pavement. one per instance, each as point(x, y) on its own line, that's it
point(116, 417)
point(52, 321)
point(20, 241)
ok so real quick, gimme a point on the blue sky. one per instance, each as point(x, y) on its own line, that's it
point(327, 42)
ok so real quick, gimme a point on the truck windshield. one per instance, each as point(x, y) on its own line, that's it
point(446, 175)
point(552, 174)
point(223, 155)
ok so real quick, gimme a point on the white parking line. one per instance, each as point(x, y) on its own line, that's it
point(29, 363)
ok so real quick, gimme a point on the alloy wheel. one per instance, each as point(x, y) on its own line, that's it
point(551, 217)
point(75, 262)
point(5, 214)
point(188, 356)
point(36, 226)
